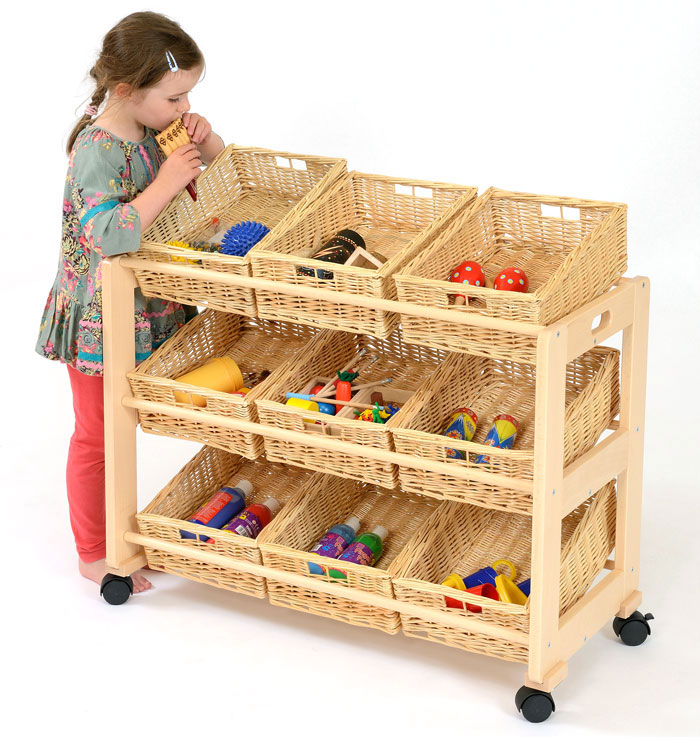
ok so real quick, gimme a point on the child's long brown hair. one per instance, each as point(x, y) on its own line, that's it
point(134, 52)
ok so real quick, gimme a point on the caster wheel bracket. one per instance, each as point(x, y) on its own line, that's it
point(116, 589)
point(634, 629)
point(534, 705)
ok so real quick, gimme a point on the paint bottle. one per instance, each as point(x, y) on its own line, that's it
point(334, 542)
point(253, 518)
point(365, 550)
point(221, 509)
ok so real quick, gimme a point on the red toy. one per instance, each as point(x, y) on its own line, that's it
point(468, 272)
point(343, 387)
point(511, 279)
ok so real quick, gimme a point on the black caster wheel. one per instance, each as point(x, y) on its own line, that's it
point(116, 589)
point(535, 706)
point(633, 630)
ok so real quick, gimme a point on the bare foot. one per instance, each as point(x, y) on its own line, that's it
point(96, 572)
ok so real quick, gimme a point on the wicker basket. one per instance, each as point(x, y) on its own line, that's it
point(271, 187)
point(389, 214)
point(490, 387)
point(570, 257)
point(463, 538)
point(326, 501)
point(204, 475)
point(409, 367)
point(255, 345)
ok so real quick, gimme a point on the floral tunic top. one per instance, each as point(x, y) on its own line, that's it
point(104, 174)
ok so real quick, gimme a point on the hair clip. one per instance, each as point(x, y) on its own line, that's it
point(91, 110)
point(171, 62)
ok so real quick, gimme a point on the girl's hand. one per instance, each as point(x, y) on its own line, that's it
point(198, 128)
point(179, 169)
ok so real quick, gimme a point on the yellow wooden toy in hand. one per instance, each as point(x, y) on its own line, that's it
point(170, 139)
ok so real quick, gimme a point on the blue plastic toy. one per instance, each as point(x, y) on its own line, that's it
point(239, 239)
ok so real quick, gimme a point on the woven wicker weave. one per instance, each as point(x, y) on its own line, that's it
point(389, 214)
point(270, 187)
point(463, 538)
point(192, 487)
point(409, 367)
point(490, 387)
point(255, 345)
point(568, 262)
point(326, 501)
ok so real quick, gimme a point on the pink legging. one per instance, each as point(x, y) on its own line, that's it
point(85, 471)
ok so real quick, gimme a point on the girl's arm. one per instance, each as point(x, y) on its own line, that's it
point(151, 202)
point(211, 148)
point(175, 173)
point(104, 222)
point(210, 144)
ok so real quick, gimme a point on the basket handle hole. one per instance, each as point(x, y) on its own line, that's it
point(601, 322)
point(561, 212)
point(423, 192)
point(412, 191)
point(283, 163)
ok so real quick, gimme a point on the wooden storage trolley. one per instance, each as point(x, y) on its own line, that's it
point(605, 480)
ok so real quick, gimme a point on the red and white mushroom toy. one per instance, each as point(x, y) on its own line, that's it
point(511, 279)
point(468, 272)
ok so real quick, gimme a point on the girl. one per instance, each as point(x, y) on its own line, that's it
point(116, 186)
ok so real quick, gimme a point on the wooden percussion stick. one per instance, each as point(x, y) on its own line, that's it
point(329, 385)
point(360, 386)
point(372, 383)
point(354, 361)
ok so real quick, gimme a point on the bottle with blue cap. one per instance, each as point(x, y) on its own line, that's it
point(221, 509)
point(334, 542)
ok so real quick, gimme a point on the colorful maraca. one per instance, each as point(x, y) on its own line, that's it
point(501, 435)
point(511, 279)
point(462, 426)
point(470, 273)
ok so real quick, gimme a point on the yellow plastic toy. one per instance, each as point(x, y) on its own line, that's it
point(507, 590)
point(455, 581)
point(220, 374)
point(201, 246)
point(180, 259)
point(306, 404)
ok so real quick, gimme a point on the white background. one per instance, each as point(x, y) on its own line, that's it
point(595, 100)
